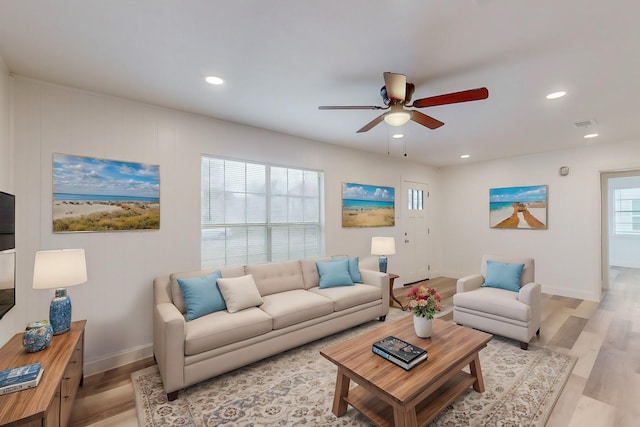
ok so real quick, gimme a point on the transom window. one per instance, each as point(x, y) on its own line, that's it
point(254, 213)
point(627, 210)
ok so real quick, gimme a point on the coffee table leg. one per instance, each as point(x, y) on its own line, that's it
point(404, 418)
point(476, 371)
point(342, 389)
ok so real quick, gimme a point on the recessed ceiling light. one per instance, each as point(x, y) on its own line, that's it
point(556, 95)
point(591, 135)
point(214, 80)
point(465, 156)
point(397, 136)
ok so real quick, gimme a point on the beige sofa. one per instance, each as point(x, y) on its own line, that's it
point(294, 311)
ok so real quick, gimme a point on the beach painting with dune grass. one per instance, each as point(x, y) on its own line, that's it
point(367, 205)
point(518, 207)
point(93, 195)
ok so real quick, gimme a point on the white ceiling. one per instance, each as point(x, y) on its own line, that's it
point(281, 59)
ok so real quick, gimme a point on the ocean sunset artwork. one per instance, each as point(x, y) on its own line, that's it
point(91, 194)
point(518, 207)
point(367, 205)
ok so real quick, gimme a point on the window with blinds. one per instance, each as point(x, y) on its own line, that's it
point(255, 213)
point(627, 210)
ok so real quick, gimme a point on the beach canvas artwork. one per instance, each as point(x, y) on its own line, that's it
point(367, 205)
point(518, 207)
point(92, 194)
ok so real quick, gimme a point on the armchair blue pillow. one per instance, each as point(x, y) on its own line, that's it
point(503, 275)
point(202, 295)
point(334, 273)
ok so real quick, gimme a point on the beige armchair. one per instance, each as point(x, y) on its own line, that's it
point(510, 313)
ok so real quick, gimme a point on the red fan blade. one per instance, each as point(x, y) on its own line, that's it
point(371, 124)
point(396, 85)
point(351, 107)
point(452, 98)
point(425, 120)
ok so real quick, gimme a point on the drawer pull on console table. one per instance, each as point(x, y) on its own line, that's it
point(50, 403)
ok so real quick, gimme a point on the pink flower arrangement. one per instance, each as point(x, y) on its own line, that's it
point(424, 302)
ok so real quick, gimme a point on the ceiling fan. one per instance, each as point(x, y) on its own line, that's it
point(396, 94)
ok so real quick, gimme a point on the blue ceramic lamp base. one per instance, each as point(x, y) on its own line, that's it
point(60, 312)
point(382, 264)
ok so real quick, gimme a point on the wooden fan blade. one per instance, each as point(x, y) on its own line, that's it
point(371, 124)
point(396, 85)
point(425, 120)
point(351, 107)
point(452, 98)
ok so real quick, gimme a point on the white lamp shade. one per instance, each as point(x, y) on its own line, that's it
point(59, 268)
point(383, 246)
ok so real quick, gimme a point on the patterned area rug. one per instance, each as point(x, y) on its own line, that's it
point(296, 388)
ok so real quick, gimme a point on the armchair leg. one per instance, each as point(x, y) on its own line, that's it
point(172, 396)
point(538, 332)
point(524, 345)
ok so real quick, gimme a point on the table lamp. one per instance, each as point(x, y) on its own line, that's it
point(383, 246)
point(59, 269)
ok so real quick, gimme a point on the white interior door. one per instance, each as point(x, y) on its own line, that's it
point(415, 236)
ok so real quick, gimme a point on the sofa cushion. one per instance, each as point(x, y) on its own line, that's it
point(310, 271)
point(503, 275)
point(344, 297)
point(239, 293)
point(201, 295)
point(221, 328)
point(498, 302)
point(334, 273)
point(276, 277)
point(292, 307)
point(176, 293)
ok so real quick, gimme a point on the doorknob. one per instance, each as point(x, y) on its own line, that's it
point(406, 241)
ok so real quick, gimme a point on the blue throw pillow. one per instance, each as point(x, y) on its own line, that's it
point(354, 268)
point(335, 273)
point(503, 275)
point(202, 295)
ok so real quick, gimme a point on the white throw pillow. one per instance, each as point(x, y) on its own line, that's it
point(239, 292)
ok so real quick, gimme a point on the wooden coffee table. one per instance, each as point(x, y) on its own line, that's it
point(390, 396)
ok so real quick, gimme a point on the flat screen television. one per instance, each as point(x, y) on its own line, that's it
point(7, 252)
point(7, 221)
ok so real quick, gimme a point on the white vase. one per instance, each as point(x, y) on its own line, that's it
point(423, 326)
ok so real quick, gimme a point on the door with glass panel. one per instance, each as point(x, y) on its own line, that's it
point(414, 243)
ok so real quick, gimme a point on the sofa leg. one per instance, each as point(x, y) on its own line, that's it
point(524, 345)
point(382, 318)
point(538, 332)
point(172, 396)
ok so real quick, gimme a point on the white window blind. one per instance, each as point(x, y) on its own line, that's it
point(253, 213)
point(627, 211)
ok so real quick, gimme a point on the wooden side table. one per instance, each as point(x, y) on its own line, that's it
point(392, 297)
point(49, 403)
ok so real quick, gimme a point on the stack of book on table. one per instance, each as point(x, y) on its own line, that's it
point(20, 378)
point(399, 352)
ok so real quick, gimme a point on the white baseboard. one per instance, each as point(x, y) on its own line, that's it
point(116, 360)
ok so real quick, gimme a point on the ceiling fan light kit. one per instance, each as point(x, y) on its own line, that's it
point(397, 118)
point(396, 95)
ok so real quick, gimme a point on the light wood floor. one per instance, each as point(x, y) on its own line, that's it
point(603, 390)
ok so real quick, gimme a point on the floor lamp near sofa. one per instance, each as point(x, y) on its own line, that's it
point(59, 269)
point(383, 246)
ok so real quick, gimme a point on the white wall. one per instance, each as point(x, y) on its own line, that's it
point(568, 253)
point(117, 299)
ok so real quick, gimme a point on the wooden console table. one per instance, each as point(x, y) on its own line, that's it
point(49, 404)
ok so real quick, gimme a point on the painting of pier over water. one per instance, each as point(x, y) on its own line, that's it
point(92, 194)
point(367, 205)
point(518, 207)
